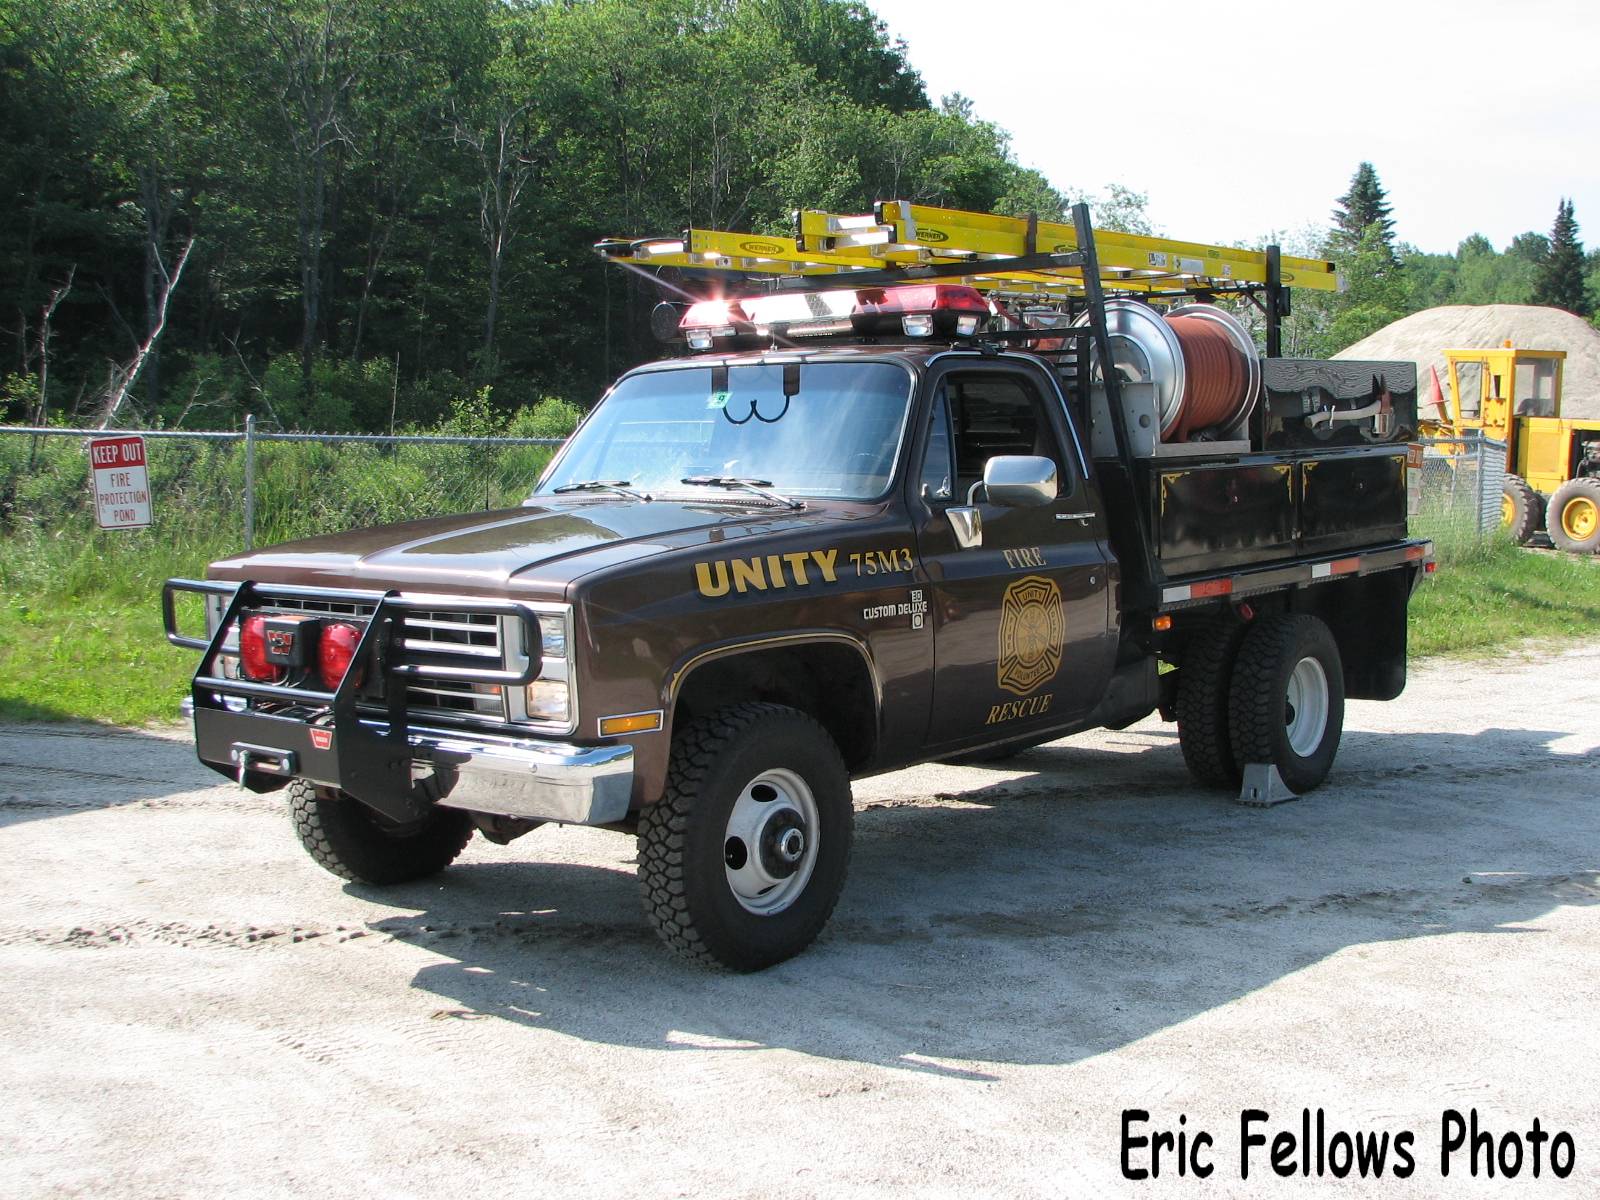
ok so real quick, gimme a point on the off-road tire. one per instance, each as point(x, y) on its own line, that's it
point(1257, 698)
point(1204, 676)
point(1573, 519)
point(682, 878)
point(1525, 509)
point(352, 841)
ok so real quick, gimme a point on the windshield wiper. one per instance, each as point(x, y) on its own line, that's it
point(620, 486)
point(761, 487)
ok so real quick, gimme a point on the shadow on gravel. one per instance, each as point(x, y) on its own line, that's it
point(55, 770)
point(1048, 917)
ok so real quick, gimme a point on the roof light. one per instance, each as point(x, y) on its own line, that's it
point(914, 310)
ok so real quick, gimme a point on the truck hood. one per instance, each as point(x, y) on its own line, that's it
point(536, 547)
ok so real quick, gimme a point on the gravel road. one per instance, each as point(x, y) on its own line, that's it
point(191, 1007)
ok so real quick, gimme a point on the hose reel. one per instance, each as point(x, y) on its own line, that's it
point(1201, 361)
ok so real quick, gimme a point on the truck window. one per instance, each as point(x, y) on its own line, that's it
point(838, 434)
point(938, 465)
point(994, 413)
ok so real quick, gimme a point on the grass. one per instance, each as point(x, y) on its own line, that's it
point(80, 619)
point(81, 639)
point(80, 627)
point(1490, 594)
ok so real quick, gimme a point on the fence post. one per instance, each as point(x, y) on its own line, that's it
point(249, 481)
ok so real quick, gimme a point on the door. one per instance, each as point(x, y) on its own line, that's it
point(1024, 638)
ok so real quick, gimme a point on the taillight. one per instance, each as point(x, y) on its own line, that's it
point(335, 652)
point(253, 651)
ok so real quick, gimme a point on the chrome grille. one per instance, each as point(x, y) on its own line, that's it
point(455, 638)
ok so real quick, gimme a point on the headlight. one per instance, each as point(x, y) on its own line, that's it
point(553, 636)
point(549, 699)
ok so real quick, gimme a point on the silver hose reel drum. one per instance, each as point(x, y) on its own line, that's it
point(1145, 348)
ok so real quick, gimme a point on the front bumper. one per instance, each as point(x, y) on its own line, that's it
point(536, 781)
point(506, 776)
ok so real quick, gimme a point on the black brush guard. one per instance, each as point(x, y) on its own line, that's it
point(333, 745)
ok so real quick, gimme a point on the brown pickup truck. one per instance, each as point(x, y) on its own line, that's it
point(761, 569)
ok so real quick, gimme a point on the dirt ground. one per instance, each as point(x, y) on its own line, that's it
point(191, 1007)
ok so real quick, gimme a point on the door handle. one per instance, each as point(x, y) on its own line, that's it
point(1078, 516)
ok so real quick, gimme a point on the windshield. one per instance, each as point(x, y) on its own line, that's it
point(837, 434)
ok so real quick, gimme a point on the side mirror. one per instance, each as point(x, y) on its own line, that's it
point(1019, 480)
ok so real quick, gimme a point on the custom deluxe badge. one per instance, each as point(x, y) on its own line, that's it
point(1033, 628)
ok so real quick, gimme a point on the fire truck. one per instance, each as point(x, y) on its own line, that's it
point(909, 485)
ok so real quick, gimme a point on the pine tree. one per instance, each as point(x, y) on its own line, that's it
point(1561, 276)
point(1366, 203)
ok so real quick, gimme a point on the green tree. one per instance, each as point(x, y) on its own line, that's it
point(1365, 204)
point(847, 48)
point(1561, 275)
point(1375, 292)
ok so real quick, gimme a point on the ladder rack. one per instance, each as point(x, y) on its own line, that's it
point(1007, 256)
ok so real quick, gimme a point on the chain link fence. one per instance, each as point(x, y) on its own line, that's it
point(222, 491)
point(1462, 480)
point(252, 488)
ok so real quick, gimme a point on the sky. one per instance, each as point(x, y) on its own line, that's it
point(1241, 118)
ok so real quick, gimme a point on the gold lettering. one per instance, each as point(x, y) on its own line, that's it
point(797, 564)
point(1011, 710)
point(1027, 556)
point(751, 574)
point(775, 571)
point(825, 560)
point(702, 574)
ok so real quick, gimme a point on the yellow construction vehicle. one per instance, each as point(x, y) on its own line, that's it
point(1552, 479)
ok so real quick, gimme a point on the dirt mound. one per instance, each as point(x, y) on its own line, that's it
point(1424, 336)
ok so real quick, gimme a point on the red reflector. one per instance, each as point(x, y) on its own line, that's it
point(1212, 587)
point(1343, 566)
point(335, 651)
point(1415, 552)
point(253, 651)
point(1430, 568)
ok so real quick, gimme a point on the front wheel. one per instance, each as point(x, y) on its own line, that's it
point(1520, 509)
point(744, 856)
point(351, 840)
point(1286, 699)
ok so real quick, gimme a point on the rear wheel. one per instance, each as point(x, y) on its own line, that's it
point(744, 856)
point(1573, 519)
point(1286, 701)
point(1202, 703)
point(349, 839)
point(1519, 509)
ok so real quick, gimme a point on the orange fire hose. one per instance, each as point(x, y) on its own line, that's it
point(1216, 375)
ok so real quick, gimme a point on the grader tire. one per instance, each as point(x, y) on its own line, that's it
point(1519, 509)
point(1573, 519)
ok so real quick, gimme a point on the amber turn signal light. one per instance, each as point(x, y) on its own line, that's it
point(647, 722)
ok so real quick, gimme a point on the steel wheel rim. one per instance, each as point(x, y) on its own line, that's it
point(1508, 510)
point(770, 843)
point(1306, 706)
point(1580, 517)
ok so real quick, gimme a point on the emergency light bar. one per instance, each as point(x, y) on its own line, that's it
point(913, 310)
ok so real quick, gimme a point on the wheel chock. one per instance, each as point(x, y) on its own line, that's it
point(1264, 787)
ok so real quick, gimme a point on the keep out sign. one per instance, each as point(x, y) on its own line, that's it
point(121, 483)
